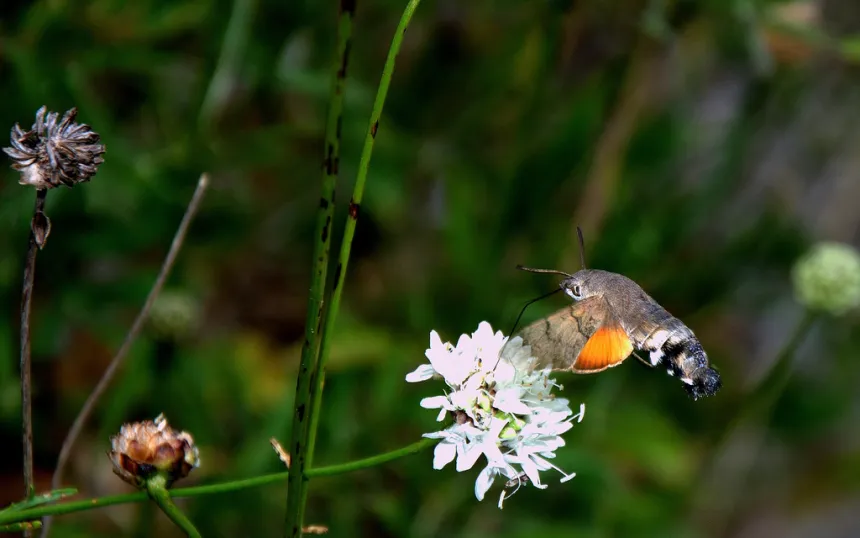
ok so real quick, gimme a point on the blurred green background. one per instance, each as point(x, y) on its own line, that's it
point(702, 145)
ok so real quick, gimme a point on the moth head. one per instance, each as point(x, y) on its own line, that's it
point(579, 286)
point(591, 282)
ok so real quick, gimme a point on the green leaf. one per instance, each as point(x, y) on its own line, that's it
point(39, 500)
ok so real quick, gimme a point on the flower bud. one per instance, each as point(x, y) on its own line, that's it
point(55, 153)
point(827, 278)
point(144, 449)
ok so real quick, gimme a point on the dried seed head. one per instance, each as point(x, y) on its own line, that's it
point(55, 153)
point(144, 449)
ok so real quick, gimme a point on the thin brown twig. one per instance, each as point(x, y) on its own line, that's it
point(26, 301)
point(131, 336)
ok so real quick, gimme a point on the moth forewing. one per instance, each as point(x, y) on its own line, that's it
point(583, 338)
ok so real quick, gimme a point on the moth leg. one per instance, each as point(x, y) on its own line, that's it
point(643, 361)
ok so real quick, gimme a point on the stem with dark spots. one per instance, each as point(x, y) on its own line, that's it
point(349, 230)
point(26, 383)
point(24, 526)
point(298, 444)
point(131, 336)
point(8, 517)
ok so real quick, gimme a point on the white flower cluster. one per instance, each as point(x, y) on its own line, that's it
point(827, 278)
point(502, 407)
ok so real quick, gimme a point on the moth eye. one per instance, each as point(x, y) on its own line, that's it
point(577, 291)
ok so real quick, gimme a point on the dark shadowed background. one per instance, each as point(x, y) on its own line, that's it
point(702, 145)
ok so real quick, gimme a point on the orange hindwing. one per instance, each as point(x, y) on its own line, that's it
point(607, 347)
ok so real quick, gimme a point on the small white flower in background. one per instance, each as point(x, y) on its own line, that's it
point(827, 278)
point(503, 409)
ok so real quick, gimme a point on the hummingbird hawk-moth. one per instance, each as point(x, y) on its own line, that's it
point(610, 319)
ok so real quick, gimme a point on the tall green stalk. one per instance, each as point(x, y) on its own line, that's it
point(310, 348)
point(297, 493)
point(354, 209)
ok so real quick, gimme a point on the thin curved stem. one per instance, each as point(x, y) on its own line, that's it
point(156, 487)
point(372, 461)
point(17, 516)
point(236, 39)
point(119, 358)
point(26, 304)
point(771, 386)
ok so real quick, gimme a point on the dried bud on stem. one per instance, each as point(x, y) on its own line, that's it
point(144, 449)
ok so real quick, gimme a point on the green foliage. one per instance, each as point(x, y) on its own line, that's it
point(486, 157)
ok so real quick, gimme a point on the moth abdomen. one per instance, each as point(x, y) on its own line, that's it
point(706, 382)
point(687, 360)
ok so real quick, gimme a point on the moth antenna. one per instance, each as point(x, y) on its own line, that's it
point(550, 271)
point(581, 246)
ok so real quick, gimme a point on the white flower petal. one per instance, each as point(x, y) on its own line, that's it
point(463, 399)
point(422, 373)
point(529, 467)
point(540, 463)
point(484, 332)
point(494, 454)
point(467, 455)
point(469, 431)
point(434, 402)
point(435, 342)
point(484, 481)
point(508, 401)
point(504, 373)
point(443, 454)
point(496, 427)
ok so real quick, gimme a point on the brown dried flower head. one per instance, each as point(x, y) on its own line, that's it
point(144, 449)
point(55, 153)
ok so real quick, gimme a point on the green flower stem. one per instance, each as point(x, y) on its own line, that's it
point(349, 231)
point(372, 461)
point(17, 516)
point(756, 407)
point(773, 384)
point(156, 487)
point(765, 394)
point(310, 349)
point(71, 507)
